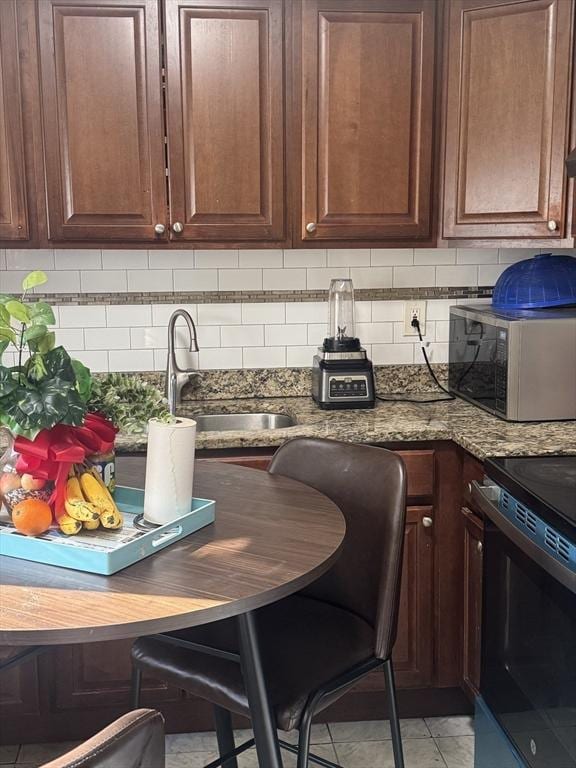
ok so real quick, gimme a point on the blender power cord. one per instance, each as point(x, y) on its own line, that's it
point(416, 324)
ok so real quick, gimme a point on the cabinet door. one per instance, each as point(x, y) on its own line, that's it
point(473, 546)
point(225, 117)
point(102, 113)
point(13, 211)
point(507, 118)
point(414, 648)
point(367, 111)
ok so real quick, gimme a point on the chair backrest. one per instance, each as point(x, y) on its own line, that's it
point(135, 740)
point(369, 486)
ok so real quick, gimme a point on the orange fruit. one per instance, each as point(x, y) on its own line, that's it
point(32, 516)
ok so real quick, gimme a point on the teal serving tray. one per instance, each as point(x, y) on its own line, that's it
point(105, 551)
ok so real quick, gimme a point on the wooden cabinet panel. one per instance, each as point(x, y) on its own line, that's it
point(98, 675)
point(420, 471)
point(225, 112)
point(507, 118)
point(19, 694)
point(13, 205)
point(414, 650)
point(101, 103)
point(367, 110)
point(473, 553)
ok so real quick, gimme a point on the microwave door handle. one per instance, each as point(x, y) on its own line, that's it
point(565, 576)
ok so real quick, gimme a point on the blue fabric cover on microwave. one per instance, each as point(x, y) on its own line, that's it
point(548, 280)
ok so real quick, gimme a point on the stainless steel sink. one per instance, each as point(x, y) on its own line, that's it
point(222, 422)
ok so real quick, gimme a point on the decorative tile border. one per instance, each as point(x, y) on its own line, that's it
point(258, 297)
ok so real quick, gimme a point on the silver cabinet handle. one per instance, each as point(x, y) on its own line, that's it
point(311, 227)
point(552, 225)
point(479, 547)
point(178, 227)
point(427, 522)
point(159, 229)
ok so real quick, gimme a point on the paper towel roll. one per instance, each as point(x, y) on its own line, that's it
point(169, 470)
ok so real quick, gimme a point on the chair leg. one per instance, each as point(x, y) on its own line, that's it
point(225, 735)
point(393, 713)
point(304, 739)
point(136, 687)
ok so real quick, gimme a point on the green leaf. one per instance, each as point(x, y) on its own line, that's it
point(3, 346)
point(83, 380)
point(34, 332)
point(8, 382)
point(7, 334)
point(33, 279)
point(18, 310)
point(40, 312)
point(4, 315)
point(59, 365)
point(45, 344)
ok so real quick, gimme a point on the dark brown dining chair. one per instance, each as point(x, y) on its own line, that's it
point(135, 740)
point(318, 643)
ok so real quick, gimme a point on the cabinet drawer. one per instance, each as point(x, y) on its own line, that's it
point(420, 468)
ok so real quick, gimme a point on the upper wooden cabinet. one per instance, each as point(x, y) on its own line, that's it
point(225, 118)
point(13, 207)
point(367, 100)
point(102, 116)
point(507, 119)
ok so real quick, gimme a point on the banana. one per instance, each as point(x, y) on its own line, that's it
point(68, 525)
point(97, 494)
point(111, 519)
point(91, 525)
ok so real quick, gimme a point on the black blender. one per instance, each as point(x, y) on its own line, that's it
point(342, 375)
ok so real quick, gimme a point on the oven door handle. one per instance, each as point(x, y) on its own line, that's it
point(559, 572)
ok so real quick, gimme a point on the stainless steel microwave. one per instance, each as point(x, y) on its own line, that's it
point(517, 364)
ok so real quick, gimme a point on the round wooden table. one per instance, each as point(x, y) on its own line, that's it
point(272, 536)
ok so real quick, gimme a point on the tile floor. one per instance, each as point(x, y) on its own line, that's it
point(436, 742)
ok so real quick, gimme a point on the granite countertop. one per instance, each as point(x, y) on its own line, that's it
point(475, 430)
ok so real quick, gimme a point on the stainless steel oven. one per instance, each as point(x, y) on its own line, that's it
point(518, 364)
point(528, 673)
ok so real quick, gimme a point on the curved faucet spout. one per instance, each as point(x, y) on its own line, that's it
point(176, 377)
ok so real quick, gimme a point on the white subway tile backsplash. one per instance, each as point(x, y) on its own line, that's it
point(437, 352)
point(264, 357)
point(11, 281)
point(305, 257)
point(268, 313)
point(242, 335)
point(374, 333)
point(83, 317)
point(103, 281)
point(144, 280)
point(348, 257)
point(240, 279)
point(284, 279)
point(414, 277)
point(371, 277)
point(286, 335)
point(131, 360)
point(306, 312)
point(434, 256)
point(97, 361)
point(387, 310)
point(195, 279)
point(392, 354)
point(363, 311)
point(300, 357)
point(153, 337)
point(440, 308)
point(316, 333)
point(318, 279)
point(2, 259)
point(61, 281)
point(120, 259)
point(476, 256)
point(107, 338)
point(208, 336)
point(488, 274)
point(184, 359)
point(266, 257)
point(457, 275)
point(216, 259)
point(220, 358)
point(72, 258)
point(511, 255)
point(219, 314)
point(71, 338)
point(161, 313)
point(391, 257)
point(29, 259)
point(127, 315)
point(164, 259)
point(442, 330)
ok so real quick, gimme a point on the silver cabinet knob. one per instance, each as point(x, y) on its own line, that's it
point(552, 225)
point(427, 522)
point(311, 227)
point(159, 229)
point(479, 547)
point(178, 227)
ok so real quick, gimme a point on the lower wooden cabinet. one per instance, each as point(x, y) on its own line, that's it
point(473, 554)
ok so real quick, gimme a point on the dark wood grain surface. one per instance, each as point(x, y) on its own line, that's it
point(272, 536)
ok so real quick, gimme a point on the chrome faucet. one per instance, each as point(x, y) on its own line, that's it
point(176, 377)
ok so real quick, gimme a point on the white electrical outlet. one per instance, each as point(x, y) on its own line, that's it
point(414, 309)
